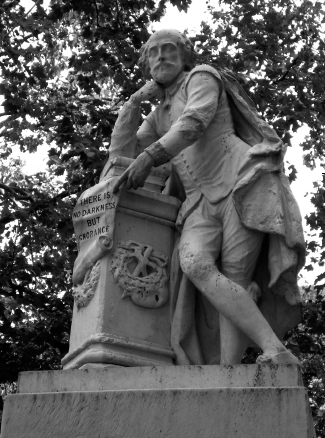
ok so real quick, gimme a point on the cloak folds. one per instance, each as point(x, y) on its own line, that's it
point(264, 202)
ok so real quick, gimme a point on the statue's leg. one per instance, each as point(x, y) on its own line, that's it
point(240, 250)
point(234, 342)
point(197, 257)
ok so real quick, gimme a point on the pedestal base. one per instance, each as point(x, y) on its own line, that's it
point(194, 402)
point(117, 325)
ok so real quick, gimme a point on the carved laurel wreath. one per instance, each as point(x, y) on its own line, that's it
point(141, 273)
point(83, 293)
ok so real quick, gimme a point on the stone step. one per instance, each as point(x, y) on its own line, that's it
point(97, 378)
point(260, 412)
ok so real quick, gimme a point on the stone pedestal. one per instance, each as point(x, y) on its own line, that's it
point(112, 328)
point(243, 401)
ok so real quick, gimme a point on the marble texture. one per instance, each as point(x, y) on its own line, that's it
point(187, 402)
point(162, 377)
point(240, 224)
point(127, 321)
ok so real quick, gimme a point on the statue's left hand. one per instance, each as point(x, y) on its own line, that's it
point(136, 174)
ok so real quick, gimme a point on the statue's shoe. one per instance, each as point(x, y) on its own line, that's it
point(278, 359)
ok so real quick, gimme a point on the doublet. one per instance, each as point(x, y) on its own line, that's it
point(209, 166)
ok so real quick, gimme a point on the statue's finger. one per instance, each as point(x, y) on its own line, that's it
point(129, 184)
point(120, 181)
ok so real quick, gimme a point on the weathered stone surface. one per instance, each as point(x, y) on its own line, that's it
point(127, 321)
point(247, 401)
point(169, 377)
point(169, 413)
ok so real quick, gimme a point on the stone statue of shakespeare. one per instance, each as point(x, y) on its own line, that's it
point(241, 246)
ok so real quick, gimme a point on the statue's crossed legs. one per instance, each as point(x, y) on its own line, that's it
point(213, 231)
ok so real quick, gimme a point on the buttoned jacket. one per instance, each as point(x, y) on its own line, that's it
point(209, 166)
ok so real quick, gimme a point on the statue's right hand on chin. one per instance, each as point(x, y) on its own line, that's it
point(150, 91)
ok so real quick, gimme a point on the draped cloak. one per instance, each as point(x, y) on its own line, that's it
point(264, 202)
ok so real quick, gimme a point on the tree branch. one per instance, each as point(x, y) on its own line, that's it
point(26, 38)
point(97, 14)
point(25, 15)
point(294, 62)
point(14, 193)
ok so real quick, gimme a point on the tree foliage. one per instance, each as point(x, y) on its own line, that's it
point(308, 342)
point(277, 50)
point(65, 71)
point(37, 249)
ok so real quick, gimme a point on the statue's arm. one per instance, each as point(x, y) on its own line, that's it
point(124, 140)
point(146, 135)
point(203, 94)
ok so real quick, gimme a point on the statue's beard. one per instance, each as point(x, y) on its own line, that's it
point(164, 72)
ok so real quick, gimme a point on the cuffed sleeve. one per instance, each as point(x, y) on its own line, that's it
point(158, 153)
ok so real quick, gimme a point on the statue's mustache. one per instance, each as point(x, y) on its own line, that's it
point(163, 64)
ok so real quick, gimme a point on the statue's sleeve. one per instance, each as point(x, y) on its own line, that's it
point(147, 133)
point(124, 136)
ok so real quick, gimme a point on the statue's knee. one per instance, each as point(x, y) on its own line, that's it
point(195, 264)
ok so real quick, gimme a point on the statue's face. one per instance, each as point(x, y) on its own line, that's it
point(165, 57)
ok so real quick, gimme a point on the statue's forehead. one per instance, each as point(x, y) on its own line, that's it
point(164, 36)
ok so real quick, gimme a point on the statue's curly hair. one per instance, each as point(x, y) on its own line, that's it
point(190, 55)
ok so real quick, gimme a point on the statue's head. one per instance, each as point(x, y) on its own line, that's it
point(165, 55)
